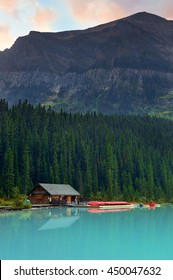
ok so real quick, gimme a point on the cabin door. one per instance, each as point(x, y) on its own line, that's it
point(68, 199)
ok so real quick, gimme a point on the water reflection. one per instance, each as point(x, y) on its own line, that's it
point(75, 233)
point(97, 210)
point(62, 220)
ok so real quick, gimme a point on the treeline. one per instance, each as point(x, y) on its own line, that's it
point(103, 157)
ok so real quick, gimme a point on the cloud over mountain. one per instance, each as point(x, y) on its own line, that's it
point(43, 18)
point(97, 10)
point(6, 37)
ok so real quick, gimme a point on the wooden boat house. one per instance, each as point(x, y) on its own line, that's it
point(47, 193)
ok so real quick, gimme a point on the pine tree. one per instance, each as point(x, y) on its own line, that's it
point(150, 181)
point(26, 183)
point(8, 173)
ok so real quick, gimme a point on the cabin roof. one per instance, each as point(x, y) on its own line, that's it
point(59, 189)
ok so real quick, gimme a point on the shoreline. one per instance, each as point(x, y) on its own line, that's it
point(5, 209)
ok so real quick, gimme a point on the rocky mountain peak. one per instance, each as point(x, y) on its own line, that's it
point(118, 67)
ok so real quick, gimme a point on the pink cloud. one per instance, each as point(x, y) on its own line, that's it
point(96, 10)
point(43, 18)
point(17, 7)
point(167, 9)
point(6, 39)
point(10, 6)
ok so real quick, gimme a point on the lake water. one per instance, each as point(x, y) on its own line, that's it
point(78, 234)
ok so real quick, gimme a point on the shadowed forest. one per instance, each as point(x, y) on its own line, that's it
point(103, 157)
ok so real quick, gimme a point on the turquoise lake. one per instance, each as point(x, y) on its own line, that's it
point(75, 233)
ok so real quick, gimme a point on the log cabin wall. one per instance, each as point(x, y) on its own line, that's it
point(39, 196)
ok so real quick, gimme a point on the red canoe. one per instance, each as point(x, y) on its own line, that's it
point(101, 203)
point(152, 204)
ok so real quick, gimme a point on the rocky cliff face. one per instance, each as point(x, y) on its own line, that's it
point(125, 66)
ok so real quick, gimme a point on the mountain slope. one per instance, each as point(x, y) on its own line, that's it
point(125, 66)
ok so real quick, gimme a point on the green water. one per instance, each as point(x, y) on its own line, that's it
point(77, 234)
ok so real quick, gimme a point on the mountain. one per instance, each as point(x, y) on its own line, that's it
point(125, 66)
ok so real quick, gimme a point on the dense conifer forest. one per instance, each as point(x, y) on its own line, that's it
point(103, 157)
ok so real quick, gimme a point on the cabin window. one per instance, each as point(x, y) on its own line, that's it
point(39, 196)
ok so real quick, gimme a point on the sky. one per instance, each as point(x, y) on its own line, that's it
point(19, 17)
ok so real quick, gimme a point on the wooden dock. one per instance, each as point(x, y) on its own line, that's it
point(44, 205)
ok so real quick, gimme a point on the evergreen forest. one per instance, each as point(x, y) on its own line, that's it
point(103, 157)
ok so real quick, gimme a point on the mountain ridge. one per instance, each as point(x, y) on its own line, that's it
point(124, 66)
